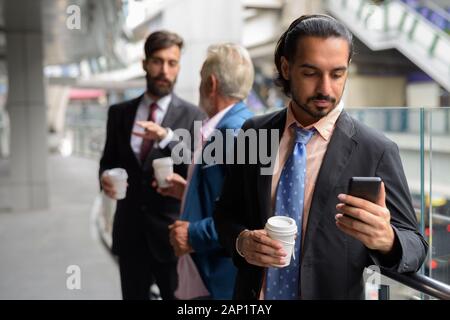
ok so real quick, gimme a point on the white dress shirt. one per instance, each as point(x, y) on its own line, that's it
point(142, 114)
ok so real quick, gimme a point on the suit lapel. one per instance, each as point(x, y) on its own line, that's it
point(173, 113)
point(336, 159)
point(129, 116)
point(264, 182)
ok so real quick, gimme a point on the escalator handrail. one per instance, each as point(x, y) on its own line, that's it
point(438, 9)
point(423, 20)
point(420, 283)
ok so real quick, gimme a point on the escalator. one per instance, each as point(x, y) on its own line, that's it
point(420, 30)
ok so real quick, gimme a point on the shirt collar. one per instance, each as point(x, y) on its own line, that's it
point(324, 126)
point(212, 122)
point(163, 103)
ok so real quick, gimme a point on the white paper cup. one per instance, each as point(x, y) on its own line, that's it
point(119, 178)
point(163, 167)
point(283, 229)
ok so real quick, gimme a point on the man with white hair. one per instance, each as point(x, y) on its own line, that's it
point(204, 270)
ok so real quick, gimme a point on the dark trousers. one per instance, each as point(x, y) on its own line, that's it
point(137, 272)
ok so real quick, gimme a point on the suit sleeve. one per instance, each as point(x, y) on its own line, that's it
point(203, 235)
point(197, 116)
point(110, 156)
point(410, 248)
point(229, 217)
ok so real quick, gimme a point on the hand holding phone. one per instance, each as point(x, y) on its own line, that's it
point(369, 223)
point(367, 188)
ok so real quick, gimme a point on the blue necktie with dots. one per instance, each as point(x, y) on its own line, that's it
point(283, 283)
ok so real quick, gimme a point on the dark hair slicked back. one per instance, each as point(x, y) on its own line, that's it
point(161, 40)
point(317, 25)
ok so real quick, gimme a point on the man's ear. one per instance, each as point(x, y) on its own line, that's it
point(213, 84)
point(144, 64)
point(285, 68)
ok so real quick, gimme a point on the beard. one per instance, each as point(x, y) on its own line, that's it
point(311, 110)
point(159, 90)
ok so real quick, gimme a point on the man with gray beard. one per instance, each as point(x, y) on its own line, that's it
point(204, 270)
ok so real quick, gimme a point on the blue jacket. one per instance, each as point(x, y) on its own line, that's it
point(215, 266)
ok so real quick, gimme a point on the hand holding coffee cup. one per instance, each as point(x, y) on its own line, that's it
point(114, 183)
point(259, 249)
point(284, 230)
point(176, 187)
point(163, 168)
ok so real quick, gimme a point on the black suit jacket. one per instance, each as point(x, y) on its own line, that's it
point(332, 262)
point(144, 215)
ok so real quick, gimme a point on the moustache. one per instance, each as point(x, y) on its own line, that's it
point(159, 78)
point(322, 97)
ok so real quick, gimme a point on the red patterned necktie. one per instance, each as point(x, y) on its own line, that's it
point(146, 145)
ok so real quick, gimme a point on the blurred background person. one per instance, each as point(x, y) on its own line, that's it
point(140, 229)
point(204, 269)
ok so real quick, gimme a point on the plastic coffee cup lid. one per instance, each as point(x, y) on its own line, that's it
point(167, 161)
point(118, 173)
point(281, 224)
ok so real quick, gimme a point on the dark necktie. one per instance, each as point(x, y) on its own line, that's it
point(146, 145)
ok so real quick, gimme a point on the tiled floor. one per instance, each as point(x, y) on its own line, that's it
point(36, 248)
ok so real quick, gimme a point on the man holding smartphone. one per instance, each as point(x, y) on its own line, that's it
point(321, 148)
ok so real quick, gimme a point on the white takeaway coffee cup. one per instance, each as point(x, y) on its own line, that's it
point(163, 167)
point(283, 229)
point(119, 178)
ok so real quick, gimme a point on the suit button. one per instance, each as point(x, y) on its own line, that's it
point(144, 208)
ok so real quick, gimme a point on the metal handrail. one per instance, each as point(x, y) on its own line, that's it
point(420, 283)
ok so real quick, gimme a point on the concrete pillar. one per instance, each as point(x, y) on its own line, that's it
point(28, 187)
point(423, 95)
point(201, 23)
point(293, 9)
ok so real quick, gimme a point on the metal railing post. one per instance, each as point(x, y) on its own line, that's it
point(422, 174)
point(384, 292)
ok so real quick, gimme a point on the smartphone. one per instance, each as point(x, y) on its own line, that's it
point(366, 188)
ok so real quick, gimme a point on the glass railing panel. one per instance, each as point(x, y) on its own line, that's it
point(437, 196)
point(401, 125)
point(423, 138)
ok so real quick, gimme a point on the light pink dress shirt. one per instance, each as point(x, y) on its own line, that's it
point(190, 283)
point(315, 151)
